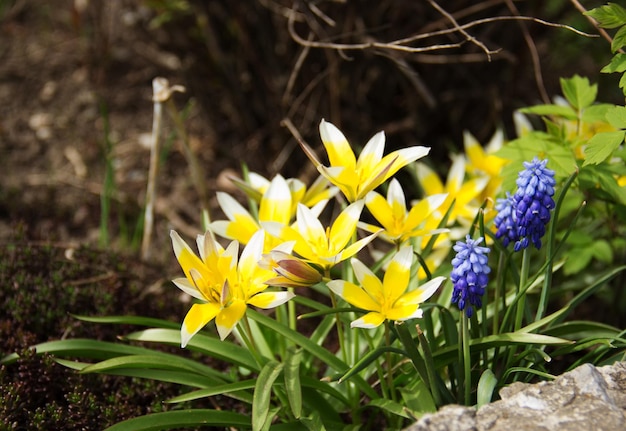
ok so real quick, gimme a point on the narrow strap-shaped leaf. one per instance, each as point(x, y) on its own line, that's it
point(292, 380)
point(129, 320)
point(164, 362)
point(215, 390)
point(182, 419)
point(210, 346)
point(263, 392)
point(84, 348)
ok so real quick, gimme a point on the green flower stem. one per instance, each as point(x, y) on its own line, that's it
point(388, 360)
point(467, 363)
point(500, 286)
point(523, 279)
point(246, 336)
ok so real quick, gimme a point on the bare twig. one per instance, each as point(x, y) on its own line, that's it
point(602, 31)
point(403, 43)
point(461, 30)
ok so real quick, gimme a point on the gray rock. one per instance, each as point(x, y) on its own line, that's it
point(584, 399)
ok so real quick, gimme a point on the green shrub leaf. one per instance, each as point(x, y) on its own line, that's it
point(610, 15)
point(579, 92)
point(601, 146)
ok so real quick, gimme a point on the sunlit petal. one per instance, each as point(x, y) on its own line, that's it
point(423, 209)
point(344, 226)
point(422, 293)
point(369, 282)
point(251, 254)
point(404, 312)
point(276, 202)
point(397, 276)
point(372, 153)
point(353, 294)
point(428, 179)
point(369, 321)
point(355, 247)
point(339, 151)
point(381, 210)
point(228, 317)
point(270, 299)
point(189, 288)
point(197, 317)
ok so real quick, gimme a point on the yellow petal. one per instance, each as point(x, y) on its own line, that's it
point(339, 151)
point(421, 294)
point(276, 202)
point(251, 255)
point(382, 211)
point(396, 279)
point(369, 321)
point(353, 294)
point(371, 154)
point(404, 312)
point(228, 317)
point(423, 209)
point(197, 317)
point(428, 179)
point(187, 258)
point(368, 280)
point(270, 299)
point(403, 157)
point(344, 227)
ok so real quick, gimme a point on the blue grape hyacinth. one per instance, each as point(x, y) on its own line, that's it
point(533, 202)
point(506, 220)
point(469, 274)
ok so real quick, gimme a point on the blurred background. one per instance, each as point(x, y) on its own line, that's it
point(76, 94)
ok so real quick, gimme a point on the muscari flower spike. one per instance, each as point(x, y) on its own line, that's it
point(533, 202)
point(506, 220)
point(469, 274)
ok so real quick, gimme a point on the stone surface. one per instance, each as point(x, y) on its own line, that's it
point(587, 398)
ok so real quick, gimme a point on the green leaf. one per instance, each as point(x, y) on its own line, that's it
point(616, 116)
point(602, 251)
point(578, 92)
point(183, 419)
point(610, 15)
point(596, 113)
point(449, 354)
point(211, 346)
point(552, 111)
point(155, 361)
point(84, 348)
point(617, 64)
point(561, 159)
point(130, 320)
point(601, 146)
point(486, 386)
point(292, 380)
point(313, 422)
point(418, 398)
point(622, 83)
point(390, 406)
point(215, 390)
point(319, 352)
point(577, 260)
point(619, 40)
point(263, 393)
